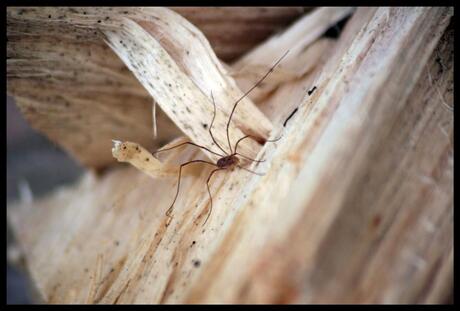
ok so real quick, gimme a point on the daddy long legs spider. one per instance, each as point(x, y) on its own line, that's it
point(227, 160)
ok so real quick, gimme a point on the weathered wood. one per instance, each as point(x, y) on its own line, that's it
point(70, 86)
point(301, 40)
point(186, 99)
point(356, 204)
point(233, 31)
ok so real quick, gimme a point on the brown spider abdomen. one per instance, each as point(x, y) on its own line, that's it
point(227, 162)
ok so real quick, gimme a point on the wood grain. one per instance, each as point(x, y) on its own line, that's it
point(356, 204)
point(70, 86)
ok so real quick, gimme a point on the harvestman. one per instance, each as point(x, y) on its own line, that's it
point(227, 160)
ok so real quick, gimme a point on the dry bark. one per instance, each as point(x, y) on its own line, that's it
point(356, 205)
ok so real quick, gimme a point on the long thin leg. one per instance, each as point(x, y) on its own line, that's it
point(247, 158)
point(189, 143)
point(244, 137)
point(260, 174)
point(212, 122)
point(245, 94)
point(209, 192)
point(168, 212)
point(236, 147)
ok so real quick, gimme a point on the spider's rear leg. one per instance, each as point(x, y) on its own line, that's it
point(209, 192)
point(169, 211)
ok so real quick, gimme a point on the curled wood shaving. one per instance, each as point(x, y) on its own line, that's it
point(140, 158)
point(192, 52)
point(182, 88)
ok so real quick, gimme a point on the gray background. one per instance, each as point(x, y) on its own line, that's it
point(31, 158)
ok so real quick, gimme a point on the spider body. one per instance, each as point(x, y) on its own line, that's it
point(228, 162)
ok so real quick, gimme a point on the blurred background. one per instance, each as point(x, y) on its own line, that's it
point(34, 165)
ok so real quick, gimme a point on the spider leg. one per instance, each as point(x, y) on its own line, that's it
point(256, 173)
point(168, 212)
point(247, 158)
point(247, 92)
point(212, 122)
point(189, 143)
point(209, 192)
point(244, 137)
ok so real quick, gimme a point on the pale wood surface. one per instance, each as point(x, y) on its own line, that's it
point(70, 86)
point(300, 61)
point(356, 204)
point(233, 31)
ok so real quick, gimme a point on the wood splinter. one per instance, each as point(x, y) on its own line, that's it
point(140, 158)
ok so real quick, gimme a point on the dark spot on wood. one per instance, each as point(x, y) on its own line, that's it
point(290, 116)
point(196, 263)
point(188, 110)
point(311, 91)
point(147, 159)
point(99, 21)
point(49, 16)
point(376, 221)
point(205, 126)
point(117, 243)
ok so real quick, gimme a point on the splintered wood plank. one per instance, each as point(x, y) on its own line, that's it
point(356, 204)
point(316, 179)
point(98, 235)
point(70, 85)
